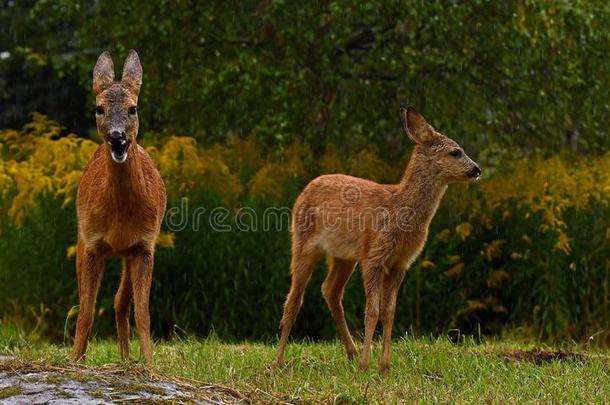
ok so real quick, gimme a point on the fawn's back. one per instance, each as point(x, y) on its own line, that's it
point(341, 214)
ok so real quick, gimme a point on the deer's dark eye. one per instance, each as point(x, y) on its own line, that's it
point(133, 110)
point(456, 153)
point(99, 110)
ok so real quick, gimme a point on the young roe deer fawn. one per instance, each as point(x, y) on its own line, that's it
point(382, 227)
point(120, 206)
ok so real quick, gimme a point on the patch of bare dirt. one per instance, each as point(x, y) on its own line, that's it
point(34, 383)
point(539, 356)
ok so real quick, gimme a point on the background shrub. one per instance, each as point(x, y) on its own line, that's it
point(524, 248)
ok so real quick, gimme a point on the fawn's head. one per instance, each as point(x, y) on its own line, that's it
point(446, 158)
point(116, 111)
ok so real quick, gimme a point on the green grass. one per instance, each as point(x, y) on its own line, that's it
point(428, 370)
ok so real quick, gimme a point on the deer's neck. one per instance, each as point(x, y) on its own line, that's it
point(420, 191)
point(125, 182)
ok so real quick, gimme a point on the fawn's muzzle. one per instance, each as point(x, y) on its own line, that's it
point(118, 146)
point(475, 173)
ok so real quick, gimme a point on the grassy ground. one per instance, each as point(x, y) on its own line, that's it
point(422, 370)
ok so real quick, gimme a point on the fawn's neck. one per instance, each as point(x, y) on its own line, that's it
point(421, 191)
point(125, 182)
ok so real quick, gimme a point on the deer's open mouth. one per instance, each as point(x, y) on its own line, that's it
point(118, 150)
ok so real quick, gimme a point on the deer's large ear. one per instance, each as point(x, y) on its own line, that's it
point(132, 71)
point(103, 73)
point(416, 126)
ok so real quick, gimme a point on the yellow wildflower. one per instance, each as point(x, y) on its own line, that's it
point(464, 230)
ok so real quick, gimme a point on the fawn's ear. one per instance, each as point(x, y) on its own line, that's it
point(132, 72)
point(416, 126)
point(103, 73)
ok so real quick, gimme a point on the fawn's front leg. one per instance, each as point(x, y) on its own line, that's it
point(89, 270)
point(391, 285)
point(372, 273)
point(140, 268)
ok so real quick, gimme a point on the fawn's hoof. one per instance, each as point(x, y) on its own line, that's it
point(364, 365)
point(277, 364)
point(351, 354)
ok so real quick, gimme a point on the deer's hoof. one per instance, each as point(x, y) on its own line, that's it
point(384, 370)
point(78, 358)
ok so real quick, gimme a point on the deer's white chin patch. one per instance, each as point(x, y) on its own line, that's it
point(119, 159)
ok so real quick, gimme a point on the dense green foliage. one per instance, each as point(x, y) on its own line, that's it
point(528, 74)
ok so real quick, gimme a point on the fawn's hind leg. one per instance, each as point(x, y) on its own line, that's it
point(89, 270)
point(122, 304)
point(339, 272)
point(301, 267)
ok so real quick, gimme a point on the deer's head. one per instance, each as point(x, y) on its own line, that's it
point(116, 111)
point(445, 158)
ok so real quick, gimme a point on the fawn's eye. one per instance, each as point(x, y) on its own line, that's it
point(456, 153)
point(133, 110)
point(99, 110)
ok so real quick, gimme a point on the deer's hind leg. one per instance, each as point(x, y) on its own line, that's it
point(122, 305)
point(302, 265)
point(339, 273)
point(89, 271)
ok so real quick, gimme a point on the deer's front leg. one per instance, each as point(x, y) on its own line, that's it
point(122, 304)
point(140, 268)
point(89, 270)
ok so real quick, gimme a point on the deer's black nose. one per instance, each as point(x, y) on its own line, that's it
point(116, 136)
point(475, 172)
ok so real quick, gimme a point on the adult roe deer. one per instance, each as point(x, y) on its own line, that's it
point(382, 227)
point(120, 206)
